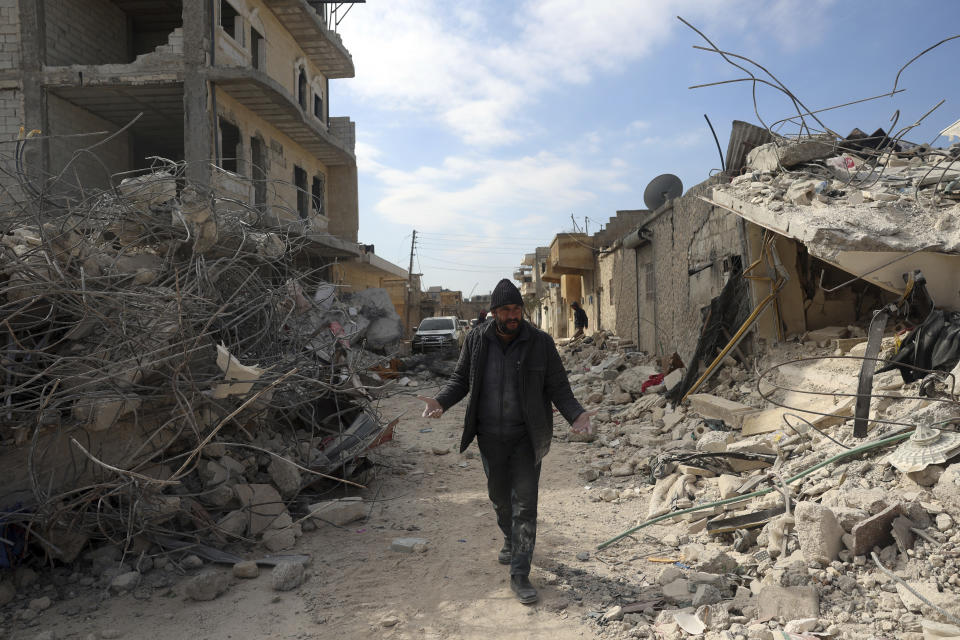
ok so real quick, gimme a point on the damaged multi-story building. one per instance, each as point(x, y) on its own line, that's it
point(237, 90)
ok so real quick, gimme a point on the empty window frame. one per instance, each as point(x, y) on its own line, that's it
point(302, 88)
point(300, 182)
point(229, 19)
point(231, 146)
point(318, 106)
point(258, 49)
point(316, 195)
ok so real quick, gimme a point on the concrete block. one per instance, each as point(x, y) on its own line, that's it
point(678, 592)
point(408, 545)
point(261, 503)
point(710, 406)
point(818, 531)
point(874, 531)
point(791, 603)
point(769, 157)
point(339, 512)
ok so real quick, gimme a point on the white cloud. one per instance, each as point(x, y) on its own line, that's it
point(492, 194)
point(476, 76)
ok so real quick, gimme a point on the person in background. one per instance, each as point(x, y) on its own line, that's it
point(482, 317)
point(512, 373)
point(580, 321)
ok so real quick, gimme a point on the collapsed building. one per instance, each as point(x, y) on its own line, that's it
point(192, 335)
point(773, 362)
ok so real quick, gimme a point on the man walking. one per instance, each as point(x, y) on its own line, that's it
point(512, 373)
point(580, 321)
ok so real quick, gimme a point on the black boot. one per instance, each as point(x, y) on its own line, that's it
point(506, 554)
point(520, 584)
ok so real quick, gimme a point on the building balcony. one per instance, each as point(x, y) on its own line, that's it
point(268, 99)
point(321, 45)
point(549, 274)
point(571, 253)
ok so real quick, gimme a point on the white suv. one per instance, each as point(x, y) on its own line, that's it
point(442, 332)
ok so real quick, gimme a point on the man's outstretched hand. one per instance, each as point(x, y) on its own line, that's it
point(582, 423)
point(433, 408)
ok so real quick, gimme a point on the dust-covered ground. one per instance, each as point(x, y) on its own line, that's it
point(357, 587)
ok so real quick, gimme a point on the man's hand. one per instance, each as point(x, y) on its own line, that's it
point(433, 408)
point(582, 423)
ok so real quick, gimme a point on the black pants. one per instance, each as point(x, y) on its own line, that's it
point(513, 480)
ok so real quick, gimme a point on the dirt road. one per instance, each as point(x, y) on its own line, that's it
point(359, 588)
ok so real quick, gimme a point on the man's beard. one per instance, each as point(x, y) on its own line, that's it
point(508, 328)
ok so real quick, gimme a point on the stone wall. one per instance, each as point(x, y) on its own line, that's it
point(87, 32)
point(686, 236)
point(618, 293)
point(9, 35)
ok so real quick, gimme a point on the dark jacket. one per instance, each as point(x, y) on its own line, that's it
point(580, 318)
point(542, 380)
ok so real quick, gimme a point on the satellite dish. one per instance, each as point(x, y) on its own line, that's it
point(661, 189)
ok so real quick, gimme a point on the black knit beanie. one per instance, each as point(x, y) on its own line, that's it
point(505, 293)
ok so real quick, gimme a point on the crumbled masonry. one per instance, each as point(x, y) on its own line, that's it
point(806, 571)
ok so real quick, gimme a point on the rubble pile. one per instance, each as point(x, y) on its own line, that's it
point(175, 371)
point(771, 518)
point(888, 196)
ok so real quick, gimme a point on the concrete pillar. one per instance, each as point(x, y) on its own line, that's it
point(198, 116)
point(343, 202)
point(33, 53)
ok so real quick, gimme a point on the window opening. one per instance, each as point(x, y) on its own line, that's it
point(229, 18)
point(231, 147)
point(258, 49)
point(316, 193)
point(302, 88)
point(318, 106)
point(300, 181)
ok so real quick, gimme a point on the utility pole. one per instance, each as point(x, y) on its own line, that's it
point(413, 243)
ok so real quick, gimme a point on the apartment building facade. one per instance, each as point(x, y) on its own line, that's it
point(238, 90)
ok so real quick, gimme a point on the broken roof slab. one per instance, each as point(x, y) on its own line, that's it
point(882, 243)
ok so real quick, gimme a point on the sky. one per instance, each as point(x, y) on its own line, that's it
point(490, 126)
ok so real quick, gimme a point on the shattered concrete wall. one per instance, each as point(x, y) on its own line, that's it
point(686, 235)
point(88, 32)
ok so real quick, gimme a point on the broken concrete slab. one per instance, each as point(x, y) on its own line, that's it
point(875, 531)
point(262, 505)
point(711, 406)
point(790, 603)
point(771, 156)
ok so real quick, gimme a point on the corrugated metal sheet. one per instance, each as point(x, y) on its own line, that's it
point(743, 137)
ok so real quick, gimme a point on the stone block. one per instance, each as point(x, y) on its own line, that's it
point(874, 531)
point(339, 512)
point(262, 505)
point(247, 569)
point(678, 592)
point(790, 603)
point(771, 156)
point(206, 586)
point(285, 476)
point(287, 576)
point(818, 531)
point(710, 406)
